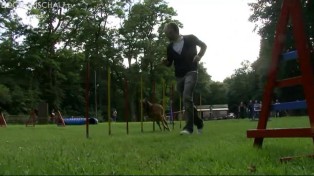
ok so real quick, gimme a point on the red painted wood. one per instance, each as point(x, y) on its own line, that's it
point(280, 133)
point(304, 58)
point(3, 123)
point(290, 8)
point(270, 85)
point(289, 82)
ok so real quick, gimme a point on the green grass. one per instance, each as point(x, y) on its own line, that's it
point(222, 149)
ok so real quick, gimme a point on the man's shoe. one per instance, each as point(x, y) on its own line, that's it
point(200, 131)
point(185, 132)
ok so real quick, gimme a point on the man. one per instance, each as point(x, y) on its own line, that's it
point(277, 113)
point(183, 52)
point(114, 115)
point(251, 109)
point(241, 110)
point(257, 108)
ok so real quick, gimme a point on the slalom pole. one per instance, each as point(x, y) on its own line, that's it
point(181, 114)
point(141, 103)
point(164, 96)
point(109, 102)
point(87, 99)
point(200, 113)
point(154, 97)
point(126, 106)
point(171, 107)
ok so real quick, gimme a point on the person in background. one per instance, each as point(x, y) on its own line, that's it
point(251, 109)
point(241, 110)
point(257, 109)
point(114, 115)
point(277, 112)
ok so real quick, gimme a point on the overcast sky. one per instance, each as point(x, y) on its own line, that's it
point(223, 25)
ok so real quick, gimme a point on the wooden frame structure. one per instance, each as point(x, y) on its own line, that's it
point(291, 10)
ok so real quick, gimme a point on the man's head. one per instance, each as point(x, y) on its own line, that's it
point(172, 31)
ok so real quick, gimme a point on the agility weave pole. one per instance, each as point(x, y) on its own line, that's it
point(109, 101)
point(87, 99)
point(141, 105)
point(200, 113)
point(164, 97)
point(126, 105)
point(154, 100)
point(180, 114)
point(171, 106)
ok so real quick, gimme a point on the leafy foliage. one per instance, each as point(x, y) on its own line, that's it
point(46, 61)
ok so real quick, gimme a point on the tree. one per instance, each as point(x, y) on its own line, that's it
point(242, 86)
point(143, 41)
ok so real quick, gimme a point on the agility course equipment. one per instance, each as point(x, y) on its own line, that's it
point(171, 106)
point(291, 9)
point(87, 98)
point(180, 115)
point(164, 96)
point(141, 104)
point(75, 121)
point(154, 99)
point(109, 100)
point(59, 120)
point(126, 105)
point(126, 102)
point(3, 123)
point(79, 121)
point(32, 118)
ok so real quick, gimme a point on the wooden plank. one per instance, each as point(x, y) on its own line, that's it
point(302, 41)
point(281, 30)
point(289, 82)
point(280, 133)
point(292, 55)
point(290, 105)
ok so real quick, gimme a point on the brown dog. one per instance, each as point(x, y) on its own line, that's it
point(156, 113)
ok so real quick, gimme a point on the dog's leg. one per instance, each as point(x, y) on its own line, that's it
point(165, 124)
point(158, 123)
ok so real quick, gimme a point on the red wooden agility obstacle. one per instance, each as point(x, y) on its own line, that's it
point(291, 9)
point(32, 118)
point(59, 119)
point(3, 123)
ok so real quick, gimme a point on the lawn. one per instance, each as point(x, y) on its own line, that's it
point(222, 149)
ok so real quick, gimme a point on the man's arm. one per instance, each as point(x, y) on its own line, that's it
point(203, 47)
